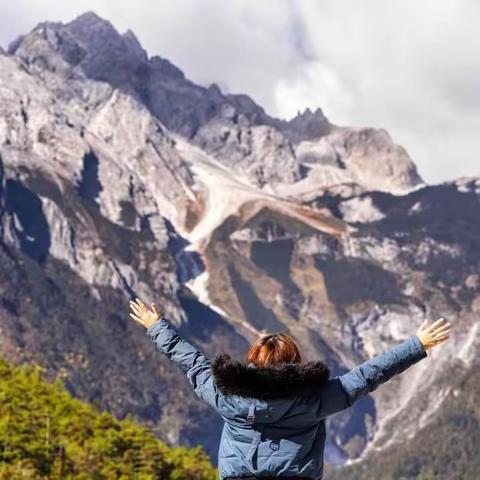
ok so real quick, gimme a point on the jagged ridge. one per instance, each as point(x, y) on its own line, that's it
point(121, 177)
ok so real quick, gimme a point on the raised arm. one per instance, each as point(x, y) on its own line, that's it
point(192, 362)
point(343, 390)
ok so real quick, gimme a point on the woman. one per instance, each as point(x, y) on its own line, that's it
point(274, 407)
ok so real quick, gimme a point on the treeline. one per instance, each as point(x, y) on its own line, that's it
point(47, 434)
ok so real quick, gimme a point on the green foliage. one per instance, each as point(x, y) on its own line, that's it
point(45, 433)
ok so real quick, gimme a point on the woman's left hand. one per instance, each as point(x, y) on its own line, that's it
point(142, 314)
point(434, 334)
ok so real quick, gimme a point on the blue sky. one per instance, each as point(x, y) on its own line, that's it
point(410, 67)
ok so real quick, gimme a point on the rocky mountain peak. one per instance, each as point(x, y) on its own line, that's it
point(308, 114)
point(165, 68)
point(110, 56)
point(89, 20)
point(100, 38)
point(121, 177)
point(307, 125)
point(135, 46)
point(232, 127)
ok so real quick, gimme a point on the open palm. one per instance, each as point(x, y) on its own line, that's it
point(434, 334)
point(142, 314)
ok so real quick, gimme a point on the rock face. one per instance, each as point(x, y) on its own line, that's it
point(230, 127)
point(119, 177)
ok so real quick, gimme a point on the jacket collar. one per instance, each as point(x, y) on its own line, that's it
point(268, 383)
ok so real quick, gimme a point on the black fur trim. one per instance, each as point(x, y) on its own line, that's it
point(268, 383)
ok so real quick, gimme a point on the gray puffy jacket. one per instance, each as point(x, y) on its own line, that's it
point(275, 417)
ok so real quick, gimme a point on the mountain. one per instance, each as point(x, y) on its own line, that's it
point(119, 177)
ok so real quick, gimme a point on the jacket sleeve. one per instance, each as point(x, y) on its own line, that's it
point(342, 391)
point(188, 358)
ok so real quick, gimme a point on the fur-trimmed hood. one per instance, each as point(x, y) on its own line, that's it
point(268, 383)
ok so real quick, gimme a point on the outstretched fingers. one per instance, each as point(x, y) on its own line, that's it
point(424, 325)
point(135, 308)
point(435, 325)
point(138, 306)
point(140, 303)
point(444, 329)
point(434, 334)
point(441, 339)
point(137, 319)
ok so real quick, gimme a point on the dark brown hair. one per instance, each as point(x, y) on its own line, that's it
point(273, 349)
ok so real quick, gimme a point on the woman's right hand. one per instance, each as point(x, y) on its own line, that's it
point(434, 334)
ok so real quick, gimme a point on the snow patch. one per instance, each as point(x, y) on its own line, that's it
point(228, 191)
point(199, 286)
point(466, 352)
point(360, 210)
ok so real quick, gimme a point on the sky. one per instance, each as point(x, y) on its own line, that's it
point(411, 67)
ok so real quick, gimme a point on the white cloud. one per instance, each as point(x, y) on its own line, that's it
point(316, 85)
point(411, 67)
point(408, 66)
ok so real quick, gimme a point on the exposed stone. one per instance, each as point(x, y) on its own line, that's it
point(120, 177)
